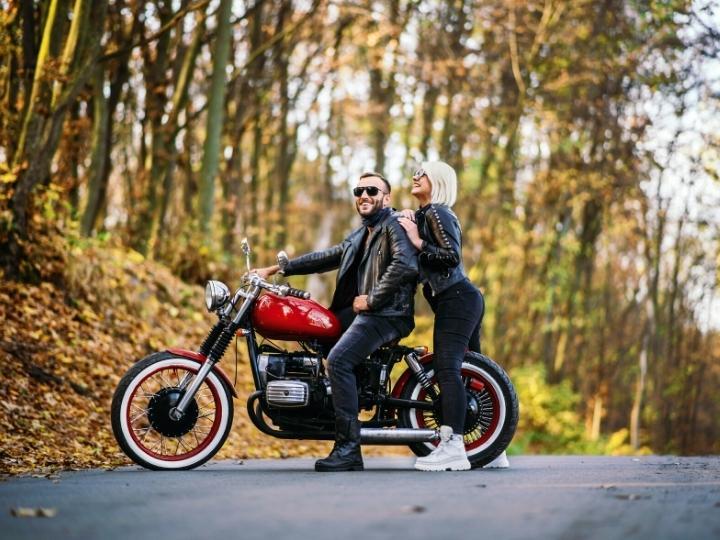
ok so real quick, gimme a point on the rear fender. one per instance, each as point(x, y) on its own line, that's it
point(199, 358)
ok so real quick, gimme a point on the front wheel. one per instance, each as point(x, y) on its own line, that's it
point(492, 410)
point(141, 419)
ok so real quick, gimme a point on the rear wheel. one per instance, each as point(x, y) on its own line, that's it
point(490, 418)
point(141, 419)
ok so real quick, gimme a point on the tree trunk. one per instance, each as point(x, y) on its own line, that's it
point(183, 71)
point(42, 126)
point(216, 102)
point(428, 117)
point(98, 155)
point(257, 99)
point(99, 173)
point(382, 84)
point(639, 391)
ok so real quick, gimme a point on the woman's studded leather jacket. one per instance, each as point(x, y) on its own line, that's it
point(440, 257)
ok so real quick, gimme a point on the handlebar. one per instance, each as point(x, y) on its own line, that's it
point(280, 290)
point(298, 293)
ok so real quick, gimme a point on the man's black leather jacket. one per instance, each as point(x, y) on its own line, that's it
point(440, 259)
point(389, 267)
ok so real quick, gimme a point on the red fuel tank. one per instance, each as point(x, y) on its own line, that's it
point(294, 319)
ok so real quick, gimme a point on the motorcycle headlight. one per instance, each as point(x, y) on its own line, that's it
point(216, 295)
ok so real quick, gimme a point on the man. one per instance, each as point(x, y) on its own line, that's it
point(373, 299)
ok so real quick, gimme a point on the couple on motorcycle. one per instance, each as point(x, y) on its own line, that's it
point(379, 265)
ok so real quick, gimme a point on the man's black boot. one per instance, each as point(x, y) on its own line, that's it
point(345, 455)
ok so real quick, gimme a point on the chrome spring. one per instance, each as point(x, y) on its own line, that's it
point(420, 374)
point(423, 379)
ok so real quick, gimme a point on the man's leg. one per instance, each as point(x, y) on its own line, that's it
point(345, 316)
point(363, 337)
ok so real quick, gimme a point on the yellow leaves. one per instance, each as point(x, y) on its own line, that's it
point(74, 342)
point(9, 175)
point(134, 257)
point(618, 444)
point(35, 335)
point(101, 371)
point(88, 315)
point(8, 178)
point(156, 344)
point(71, 344)
point(25, 512)
point(65, 358)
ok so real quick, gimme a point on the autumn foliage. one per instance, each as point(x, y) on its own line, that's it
point(65, 345)
point(141, 140)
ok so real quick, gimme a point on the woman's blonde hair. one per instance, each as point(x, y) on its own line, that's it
point(443, 181)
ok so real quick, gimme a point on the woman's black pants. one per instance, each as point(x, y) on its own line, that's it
point(459, 310)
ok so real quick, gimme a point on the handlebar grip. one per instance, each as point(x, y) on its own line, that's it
point(297, 293)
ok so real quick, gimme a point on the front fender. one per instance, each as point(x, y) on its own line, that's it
point(199, 358)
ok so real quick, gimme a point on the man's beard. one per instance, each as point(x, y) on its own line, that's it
point(377, 205)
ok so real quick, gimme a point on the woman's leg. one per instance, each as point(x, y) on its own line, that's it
point(456, 318)
point(474, 344)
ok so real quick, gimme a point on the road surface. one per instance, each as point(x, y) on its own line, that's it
point(539, 497)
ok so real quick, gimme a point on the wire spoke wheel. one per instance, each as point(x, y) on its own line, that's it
point(483, 415)
point(153, 428)
point(142, 420)
point(490, 417)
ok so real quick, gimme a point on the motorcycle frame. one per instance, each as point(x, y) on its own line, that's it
point(386, 403)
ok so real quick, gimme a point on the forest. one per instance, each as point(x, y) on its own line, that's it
point(141, 140)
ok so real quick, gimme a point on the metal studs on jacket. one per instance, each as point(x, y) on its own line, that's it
point(440, 260)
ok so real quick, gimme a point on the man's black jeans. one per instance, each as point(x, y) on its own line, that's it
point(364, 335)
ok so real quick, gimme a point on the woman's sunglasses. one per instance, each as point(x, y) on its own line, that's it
point(372, 191)
point(419, 173)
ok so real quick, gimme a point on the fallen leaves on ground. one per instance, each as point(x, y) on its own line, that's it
point(65, 346)
point(23, 512)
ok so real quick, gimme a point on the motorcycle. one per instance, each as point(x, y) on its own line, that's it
point(173, 409)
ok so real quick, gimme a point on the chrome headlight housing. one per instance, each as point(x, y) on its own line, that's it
point(216, 295)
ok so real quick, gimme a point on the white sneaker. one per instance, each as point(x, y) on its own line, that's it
point(500, 462)
point(448, 456)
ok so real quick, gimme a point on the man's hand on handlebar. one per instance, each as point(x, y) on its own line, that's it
point(266, 272)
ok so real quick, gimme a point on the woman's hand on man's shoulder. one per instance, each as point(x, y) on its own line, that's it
point(406, 213)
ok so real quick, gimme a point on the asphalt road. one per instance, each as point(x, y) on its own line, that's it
point(548, 497)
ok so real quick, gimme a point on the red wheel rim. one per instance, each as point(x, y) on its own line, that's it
point(487, 398)
point(143, 433)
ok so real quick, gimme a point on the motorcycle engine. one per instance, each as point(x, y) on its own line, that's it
point(291, 379)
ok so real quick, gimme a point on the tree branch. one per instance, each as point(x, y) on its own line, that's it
point(144, 41)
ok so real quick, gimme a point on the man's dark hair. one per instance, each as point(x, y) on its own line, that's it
point(380, 176)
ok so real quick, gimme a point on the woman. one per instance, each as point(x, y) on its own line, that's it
point(434, 230)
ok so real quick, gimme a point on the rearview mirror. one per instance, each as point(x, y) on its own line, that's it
point(282, 260)
point(245, 246)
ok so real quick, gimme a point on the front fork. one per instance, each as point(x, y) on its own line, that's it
point(215, 354)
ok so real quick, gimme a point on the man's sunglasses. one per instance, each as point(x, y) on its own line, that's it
point(372, 191)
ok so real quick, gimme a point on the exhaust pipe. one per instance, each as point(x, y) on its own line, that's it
point(367, 435)
point(397, 435)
